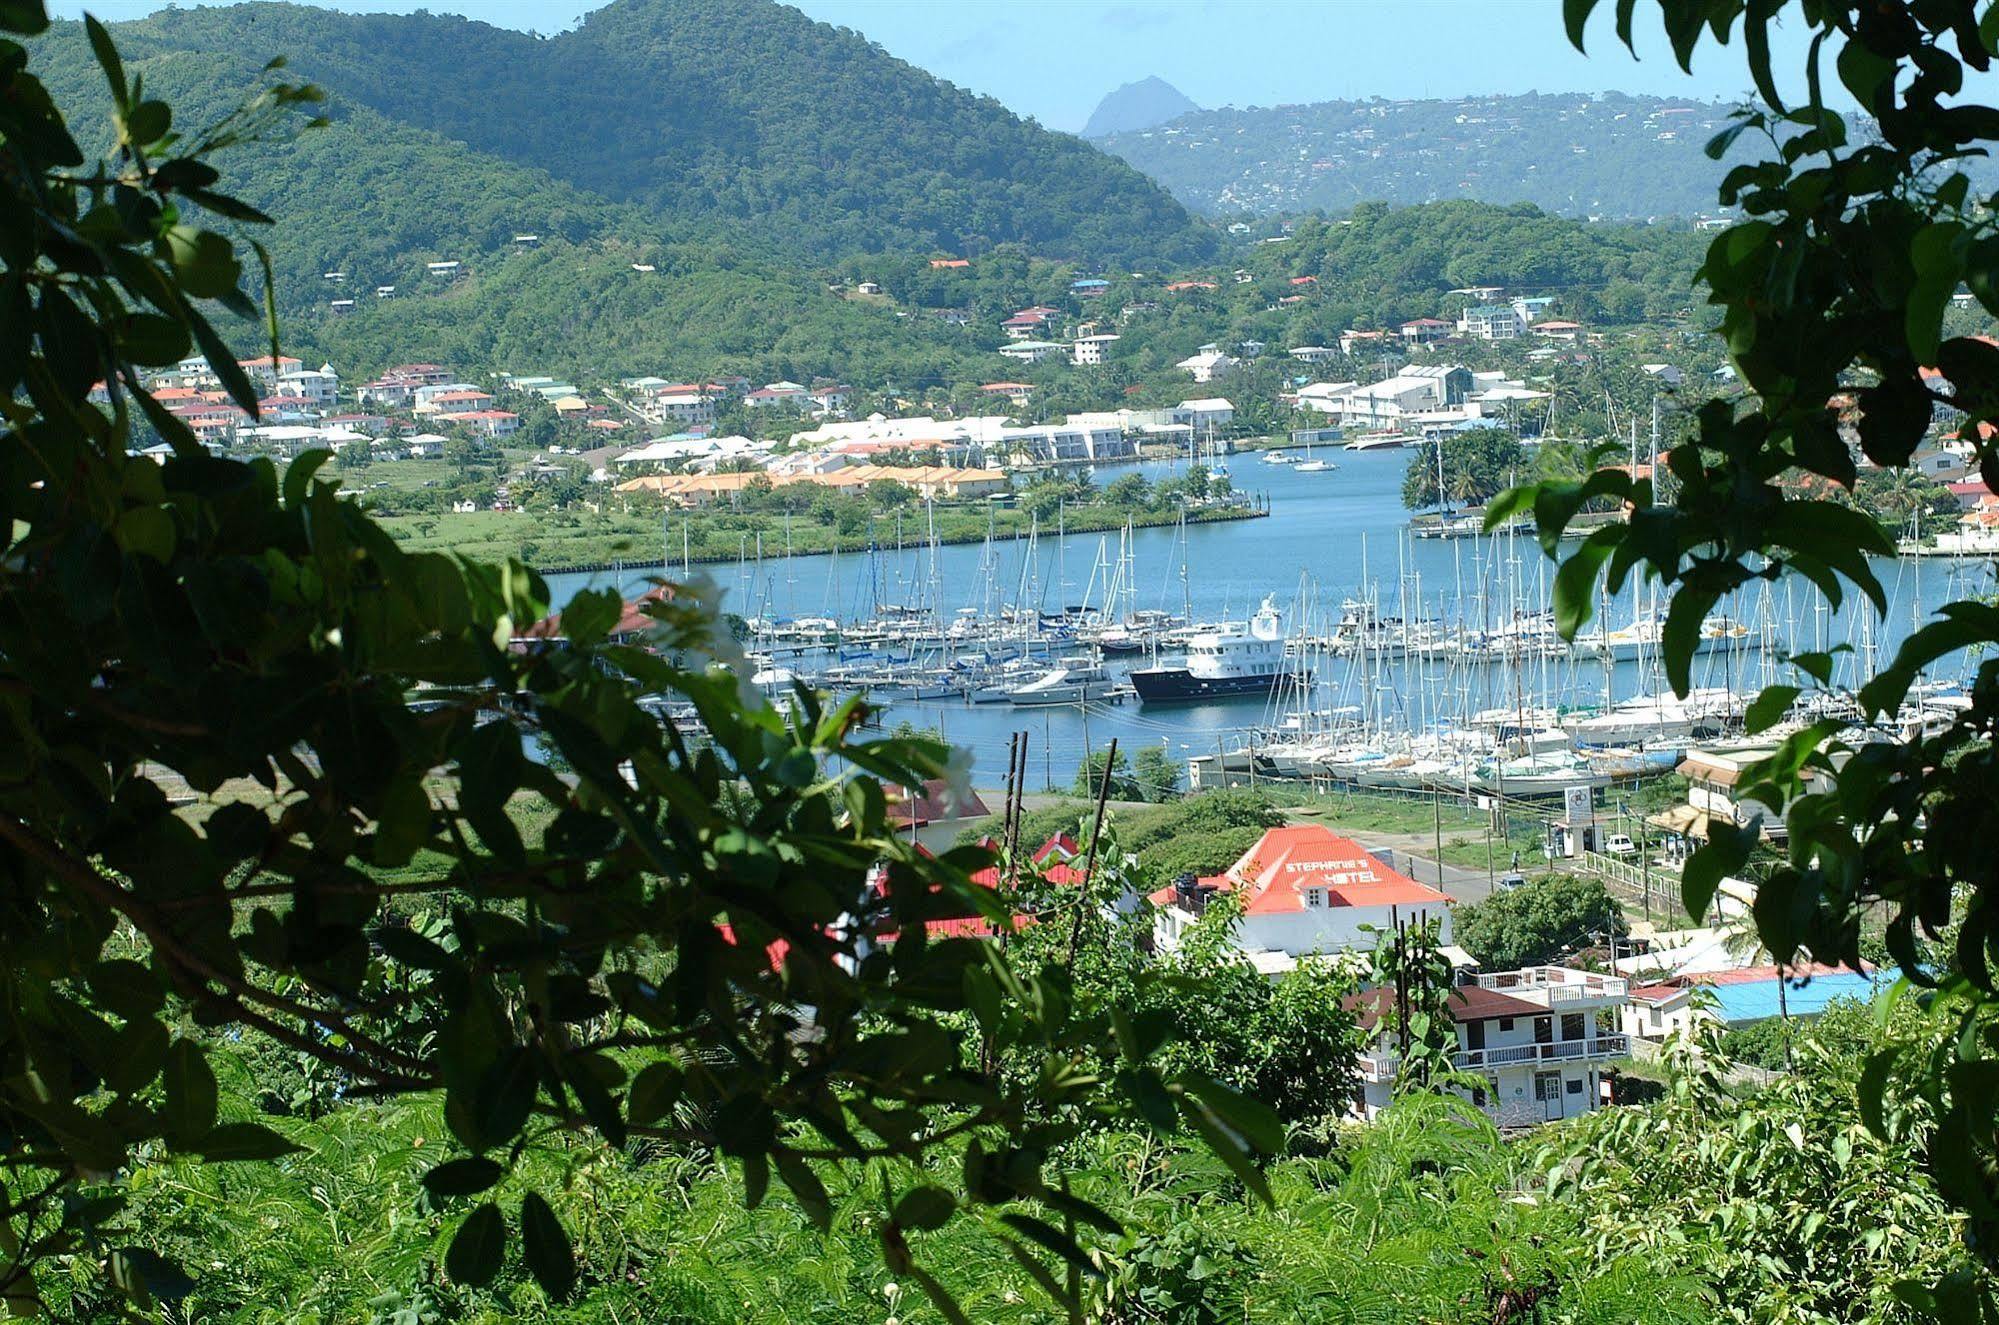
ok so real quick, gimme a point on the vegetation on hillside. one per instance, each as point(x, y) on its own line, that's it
point(808, 139)
point(1611, 155)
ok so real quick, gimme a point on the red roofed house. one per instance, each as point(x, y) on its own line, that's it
point(1538, 1036)
point(1304, 889)
point(1425, 330)
point(1017, 392)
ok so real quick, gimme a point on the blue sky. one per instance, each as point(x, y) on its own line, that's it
point(1054, 59)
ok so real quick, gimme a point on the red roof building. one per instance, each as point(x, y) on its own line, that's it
point(1304, 889)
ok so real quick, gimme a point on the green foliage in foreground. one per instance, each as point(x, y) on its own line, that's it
point(1856, 234)
point(1770, 1207)
point(678, 945)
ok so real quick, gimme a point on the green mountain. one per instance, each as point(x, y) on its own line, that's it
point(806, 138)
point(1610, 156)
point(619, 149)
point(1138, 105)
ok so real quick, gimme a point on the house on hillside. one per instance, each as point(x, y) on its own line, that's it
point(490, 422)
point(1362, 342)
point(1425, 331)
point(1209, 365)
point(1539, 1038)
point(1303, 890)
point(1314, 353)
point(1089, 350)
point(1031, 351)
point(1017, 392)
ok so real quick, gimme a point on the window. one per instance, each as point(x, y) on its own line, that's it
point(1575, 1087)
point(1572, 1025)
point(1506, 1023)
point(1315, 897)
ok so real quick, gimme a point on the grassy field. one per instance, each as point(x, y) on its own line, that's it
point(577, 536)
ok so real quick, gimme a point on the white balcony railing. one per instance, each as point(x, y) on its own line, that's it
point(1601, 1046)
point(1558, 984)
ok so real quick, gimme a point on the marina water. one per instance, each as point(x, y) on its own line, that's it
point(1331, 537)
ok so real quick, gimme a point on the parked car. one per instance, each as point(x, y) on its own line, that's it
point(1512, 881)
point(1617, 844)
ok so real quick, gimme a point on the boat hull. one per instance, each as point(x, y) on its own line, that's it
point(1177, 685)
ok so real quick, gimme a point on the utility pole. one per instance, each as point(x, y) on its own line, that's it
point(1437, 807)
point(1645, 867)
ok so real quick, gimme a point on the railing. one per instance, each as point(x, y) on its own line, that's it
point(1560, 983)
point(1603, 1046)
point(1380, 1066)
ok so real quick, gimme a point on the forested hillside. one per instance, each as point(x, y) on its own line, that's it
point(376, 199)
point(808, 139)
point(1611, 155)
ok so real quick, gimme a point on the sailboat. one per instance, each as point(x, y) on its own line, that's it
point(1309, 465)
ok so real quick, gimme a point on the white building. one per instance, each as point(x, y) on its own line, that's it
point(1303, 890)
point(1314, 353)
point(1390, 402)
point(1205, 415)
point(1207, 366)
point(1060, 443)
point(1539, 1037)
point(1088, 350)
point(688, 409)
point(321, 385)
point(1031, 351)
point(1493, 322)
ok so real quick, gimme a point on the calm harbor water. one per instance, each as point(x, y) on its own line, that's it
point(1330, 537)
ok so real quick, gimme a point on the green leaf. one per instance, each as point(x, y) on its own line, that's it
point(243, 1141)
point(148, 1276)
point(940, 1297)
point(189, 1111)
point(1681, 635)
point(478, 1247)
point(925, 1208)
point(1575, 18)
point(298, 475)
point(550, 1257)
point(1769, 708)
point(1253, 1120)
point(654, 1092)
point(505, 1097)
point(26, 18)
point(466, 1176)
point(1052, 1239)
point(107, 59)
point(126, 987)
point(1727, 850)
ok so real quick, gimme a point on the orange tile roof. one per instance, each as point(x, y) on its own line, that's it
point(1274, 874)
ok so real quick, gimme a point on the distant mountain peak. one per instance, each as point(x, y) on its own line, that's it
point(1136, 106)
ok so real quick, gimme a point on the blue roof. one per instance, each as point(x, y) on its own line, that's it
point(1091, 280)
point(1752, 1000)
